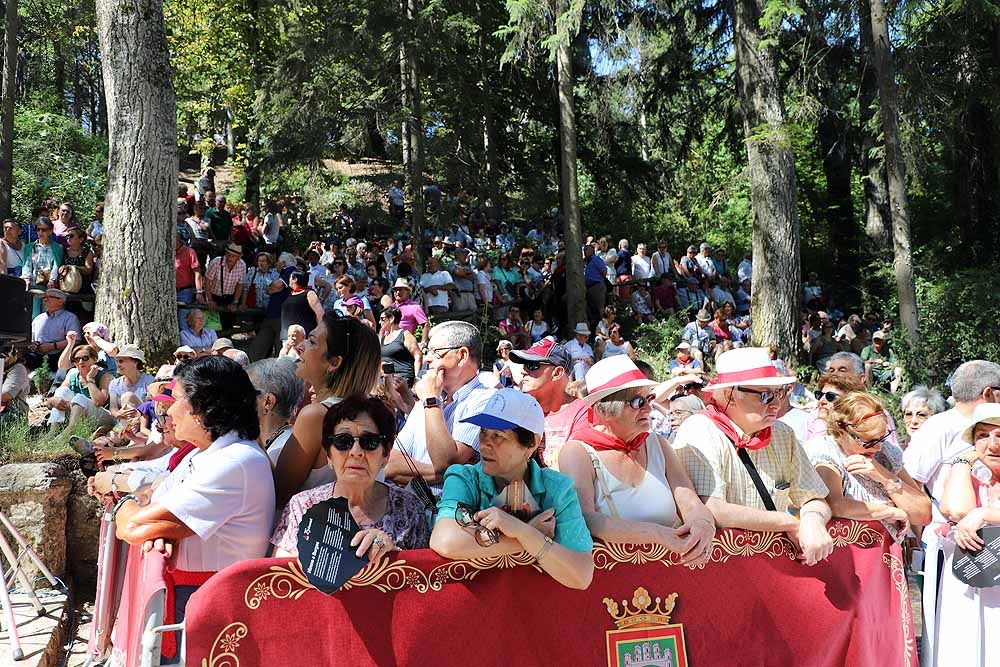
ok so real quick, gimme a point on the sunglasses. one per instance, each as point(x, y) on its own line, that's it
point(874, 442)
point(532, 366)
point(830, 396)
point(485, 537)
point(767, 396)
point(183, 357)
point(85, 358)
point(344, 442)
point(639, 402)
point(161, 418)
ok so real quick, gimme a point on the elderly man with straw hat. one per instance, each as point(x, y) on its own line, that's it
point(746, 465)
point(412, 313)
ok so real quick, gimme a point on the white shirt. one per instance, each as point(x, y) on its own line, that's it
point(469, 400)
point(578, 351)
point(433, 280)
point(486, 280)
point(642, 268)
point(938, 440)
point(707, 267)
point(799, 421)
point(225, 494)
point(745, 270)
point(318, 271)
point(661, 263)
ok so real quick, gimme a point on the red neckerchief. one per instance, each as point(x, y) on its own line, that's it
point(297, 289)
point(758, 441)
point(602, 441)
point(178, 456)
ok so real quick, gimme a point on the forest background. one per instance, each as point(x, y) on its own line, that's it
point(661, 151)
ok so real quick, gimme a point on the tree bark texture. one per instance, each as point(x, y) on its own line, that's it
point(576, 307)
point(413, 126)
point(902, 253)
point(776, 264)
point(9, 92)
point(252, 163)
point(135, 297)
point(878, 215)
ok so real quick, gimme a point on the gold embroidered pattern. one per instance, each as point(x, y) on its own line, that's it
point(906, 614)
point(227, 642)
point(644, 611)
point(281, 581)
point(609, 554)
point(854, 533)
point(729, 543)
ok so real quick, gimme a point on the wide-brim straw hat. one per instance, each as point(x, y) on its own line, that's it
point(401, 284)
point(613, 374)
point(747, 366)
point(985, 413)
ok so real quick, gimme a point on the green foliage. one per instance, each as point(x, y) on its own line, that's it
point(655, 343)
point(55, 160)
point(20, 442)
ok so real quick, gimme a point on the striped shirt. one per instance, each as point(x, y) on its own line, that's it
point(716, 470)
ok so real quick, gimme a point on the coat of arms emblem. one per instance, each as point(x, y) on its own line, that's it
point(644, 636)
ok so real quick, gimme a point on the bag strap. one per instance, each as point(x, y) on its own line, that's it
point(755, 476)
point(602, 482)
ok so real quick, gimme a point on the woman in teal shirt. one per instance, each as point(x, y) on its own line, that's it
point(472, 522)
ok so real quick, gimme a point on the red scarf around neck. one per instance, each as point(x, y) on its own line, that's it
point(759, 440)
point(178, 456)
point(602, 441)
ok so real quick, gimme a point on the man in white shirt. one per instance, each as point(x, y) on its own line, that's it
point(642, 264)
point(928, 459)
point(434, 435)
point(662, 263)
point(705, 263)
point(745, 270)
point(580, 351)
point(436, 284)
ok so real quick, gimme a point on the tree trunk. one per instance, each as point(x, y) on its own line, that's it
point(902, 253)
point(136, 285)
point(839, 202)
point(776, 268)
point(9, 92)
point(878, 215)
point(492, 191)
point(413, 126)
point(576, 306)
point(252, 164)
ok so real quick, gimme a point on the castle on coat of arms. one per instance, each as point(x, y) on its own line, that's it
point(648, 654)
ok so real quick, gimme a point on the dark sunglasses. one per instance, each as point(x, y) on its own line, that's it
point(485, 537)
point(831, 396)
point(183, 357)
point(84, 358)
point(767, 396)
point(532, 366)
point(344, 442)
point(639, 402)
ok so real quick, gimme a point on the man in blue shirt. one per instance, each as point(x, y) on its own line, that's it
point(594, 273)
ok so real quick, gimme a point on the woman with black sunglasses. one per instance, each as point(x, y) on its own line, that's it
point(358, 434)
point(863, 470)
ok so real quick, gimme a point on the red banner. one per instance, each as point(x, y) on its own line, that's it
point(753, 604)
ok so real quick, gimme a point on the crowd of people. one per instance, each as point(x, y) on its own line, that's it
point(368, 380)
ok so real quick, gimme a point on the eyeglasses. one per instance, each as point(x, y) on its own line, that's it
point(532, 366)
point(440, 352)
point(344, 442)
point(183, 357)
point(767, 396)
point(679, 414)
point(868, 444)
point(84, 358)
point(639, 402)
point(485, 537)
point(161, 419)
point(830, 396)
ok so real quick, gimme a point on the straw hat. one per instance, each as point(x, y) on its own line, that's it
point(613, 374)
point(747, 366)
point(401, 284)
point(985, 413)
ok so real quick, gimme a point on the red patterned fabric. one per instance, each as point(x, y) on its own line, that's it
point(173, 578)
point(760, 609)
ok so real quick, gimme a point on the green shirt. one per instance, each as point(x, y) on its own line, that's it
point(221, 223)
point(880, 372)
point(78, 386)
point(469, 485)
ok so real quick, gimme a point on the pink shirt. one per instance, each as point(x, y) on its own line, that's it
point(412, 315)
point(560, 427)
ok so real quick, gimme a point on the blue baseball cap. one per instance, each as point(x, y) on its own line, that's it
point(508, 409)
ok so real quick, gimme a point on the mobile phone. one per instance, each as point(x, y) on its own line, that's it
point(388, 369)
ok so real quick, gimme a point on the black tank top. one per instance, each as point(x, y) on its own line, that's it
point(296, 310)
point(395, 353)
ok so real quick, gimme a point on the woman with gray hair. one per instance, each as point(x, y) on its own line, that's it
point(631, 485)
point(279, 391)
point(917, 406)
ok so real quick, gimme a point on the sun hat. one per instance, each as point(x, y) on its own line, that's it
point(581, 329)
point(401, 283)
point(166, 393)
point(58, 293)
point(131, 351)
point(548, 350)
point(354, 301)
point(508, 409)
point(185, 349)
point(222, 344)
point(613, 374)
point(234, 248)
point(703, 316)
point(683, 345)
point(504, 343)
point(985, 413)
point(879, 335)
point(97, 329)
point(747, 366)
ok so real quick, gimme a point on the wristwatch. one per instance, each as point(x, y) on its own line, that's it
point(894, 487)
point(431, 402)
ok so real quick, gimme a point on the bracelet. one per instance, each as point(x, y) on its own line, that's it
point(962, 459)
point(114, 487)
point(545, 548)
point(118, 506)
point(894, 487)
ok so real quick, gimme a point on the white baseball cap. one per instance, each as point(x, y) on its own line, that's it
point(507, 409)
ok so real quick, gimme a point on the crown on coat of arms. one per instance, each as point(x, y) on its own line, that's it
point(645, 611)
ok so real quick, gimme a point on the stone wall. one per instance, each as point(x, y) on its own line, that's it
point(82, 533)
point(34, 496)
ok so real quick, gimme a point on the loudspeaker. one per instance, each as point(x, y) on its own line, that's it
point(15, 313)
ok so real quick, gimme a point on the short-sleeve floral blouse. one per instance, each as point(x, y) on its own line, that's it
point(405, 520)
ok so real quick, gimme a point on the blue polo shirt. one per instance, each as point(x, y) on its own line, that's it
point(469, 485)
point(595, 271)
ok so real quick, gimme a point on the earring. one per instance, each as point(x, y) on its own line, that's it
point(267, 411)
